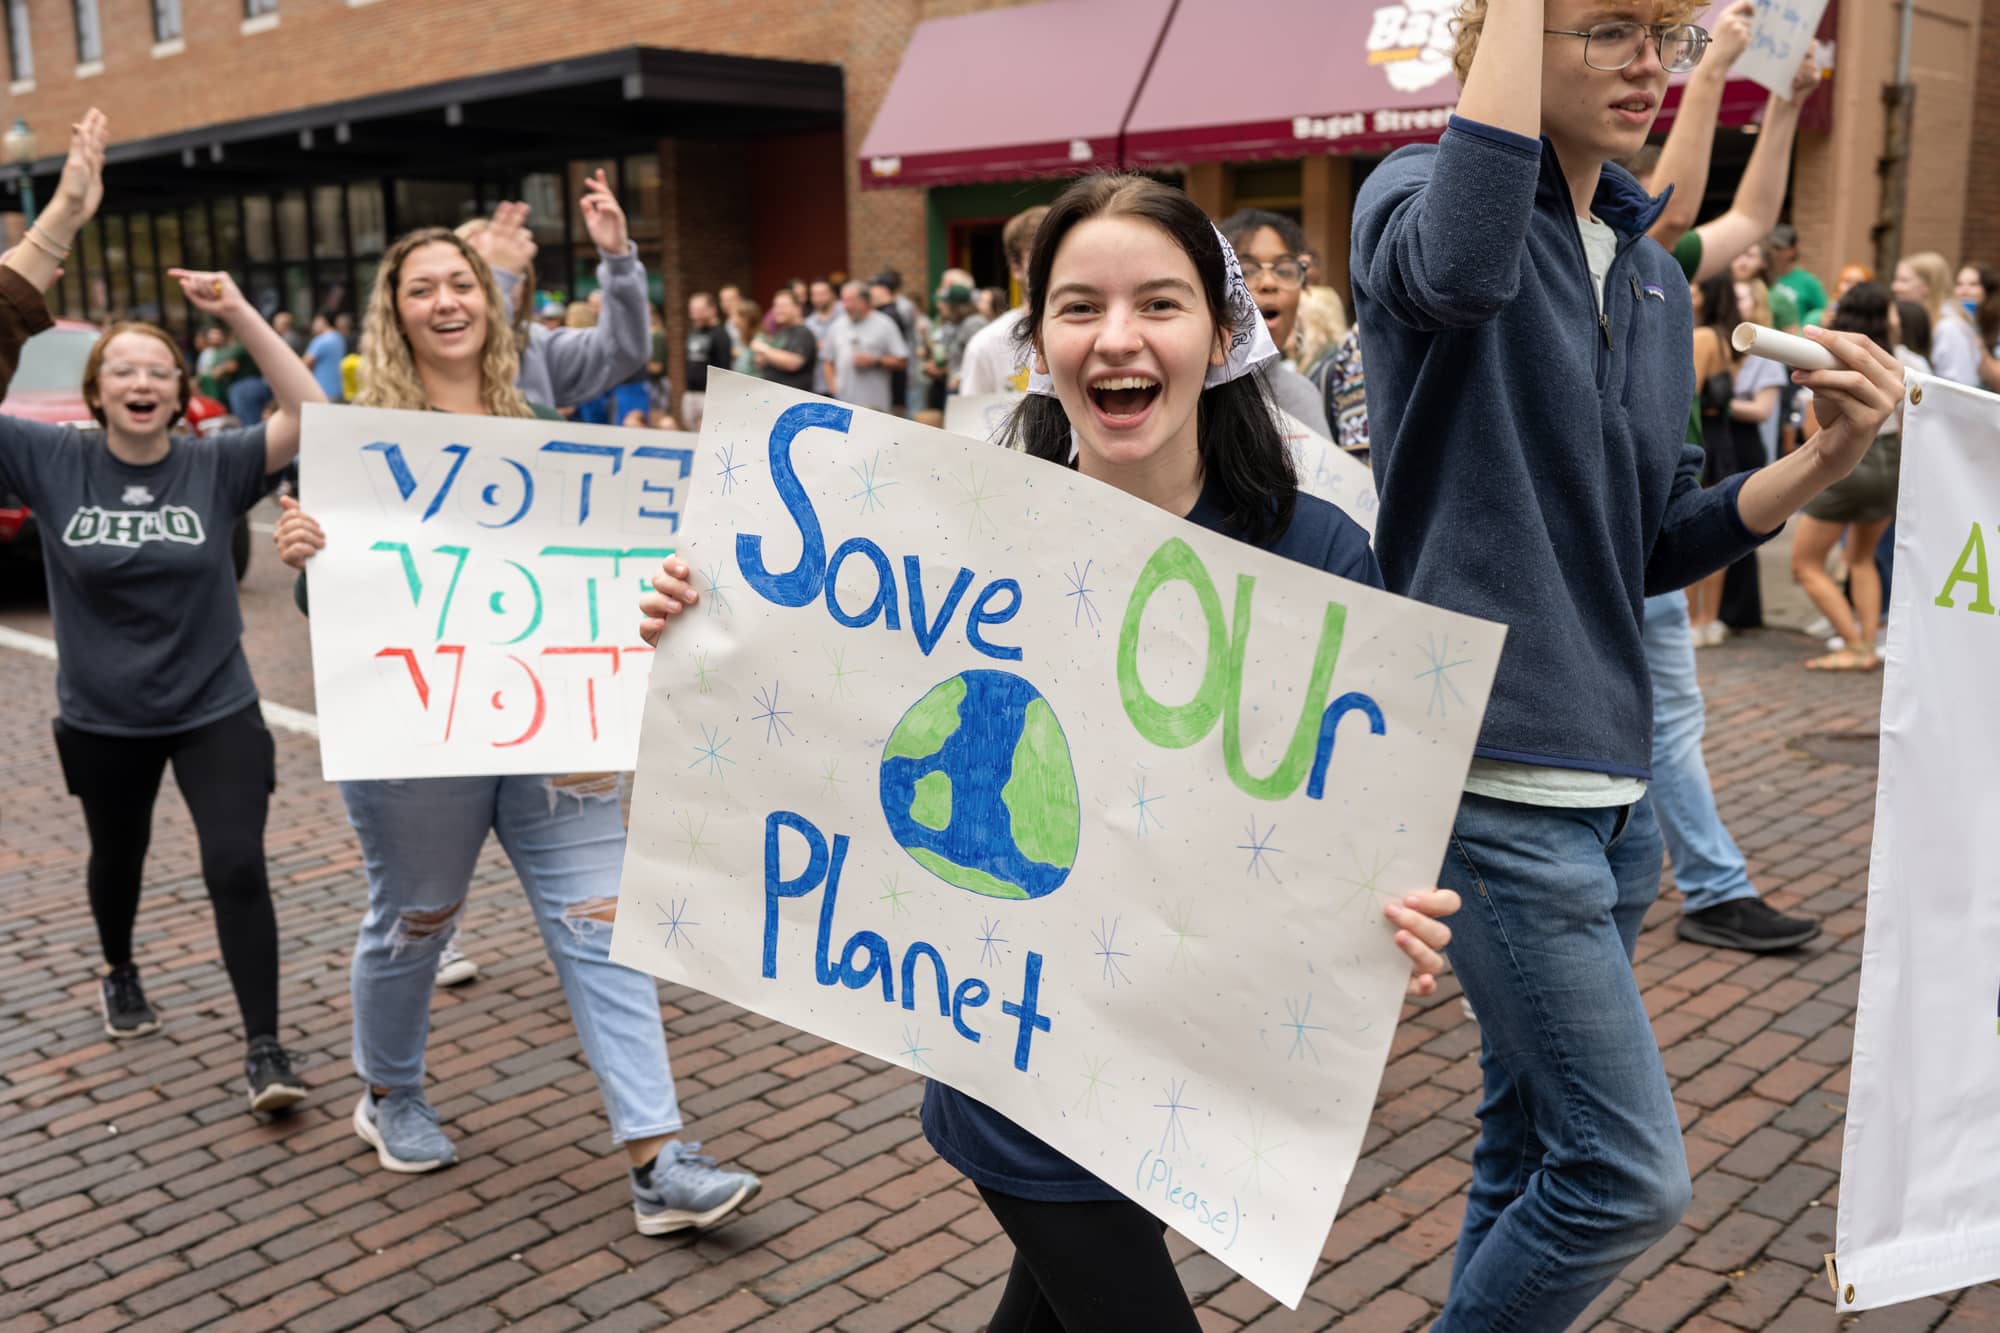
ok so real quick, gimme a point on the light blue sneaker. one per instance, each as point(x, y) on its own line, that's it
point(683, 1189)
point(404, 1132)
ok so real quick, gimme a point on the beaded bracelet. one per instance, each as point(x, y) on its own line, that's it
point(47, 246)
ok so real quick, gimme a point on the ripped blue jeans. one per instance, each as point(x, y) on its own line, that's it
point(566, 839)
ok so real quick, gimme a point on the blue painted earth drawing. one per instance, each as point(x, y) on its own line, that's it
point(979, 788)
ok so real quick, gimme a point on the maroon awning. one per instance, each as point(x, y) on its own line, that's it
point(1033, 90)
point(1286, 78)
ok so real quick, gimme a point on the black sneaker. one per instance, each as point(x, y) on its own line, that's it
point(1749, 924)
point(273, 1085)
point(126, 1013)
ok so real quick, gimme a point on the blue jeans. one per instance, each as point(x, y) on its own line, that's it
point(1708, 867)
point(248, 398)
point(1579, 1166)
point(419, 841)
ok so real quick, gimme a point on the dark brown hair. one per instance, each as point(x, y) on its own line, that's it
point(93, 366)
point(1236, 431)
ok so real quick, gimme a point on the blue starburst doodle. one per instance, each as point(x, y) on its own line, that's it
point(989, 942)
point(1108, 950)
point(675, 922)
point(872, 487)
point(1261, 851)
point(710, 752)
point(1079, 591)
point(773, 717)
point(1141, 802)
point(913, 1051)
point(1175, 1136)
point(1299, 1011)
point(717, 592)
point(729, 468)
point(1443, 692)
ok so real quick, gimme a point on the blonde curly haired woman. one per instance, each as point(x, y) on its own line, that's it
point(438, 339)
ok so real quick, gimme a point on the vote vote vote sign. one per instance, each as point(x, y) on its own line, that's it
point(1919, 1170)
point(476, 609)
point(984, 768)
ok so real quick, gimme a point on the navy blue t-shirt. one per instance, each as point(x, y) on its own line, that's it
point(993, 1151)
point(142, 584)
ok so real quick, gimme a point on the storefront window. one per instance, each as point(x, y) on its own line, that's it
point(298, 293)
point(1276, 186)
point(96, 300)
point(167, 244)
point(226, 250)
point(435, 203)
point(292, 225)
point(145, 279)
point(117, 267)
point(329, 227)
point(263, 290)
point(542, 191)
point(257, 242)
point(367, 226)
point(195, 250)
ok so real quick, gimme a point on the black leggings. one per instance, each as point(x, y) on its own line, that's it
point(1099, 1267)
point(226, 771)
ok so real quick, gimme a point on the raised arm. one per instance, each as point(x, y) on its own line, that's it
point(1684, 158)
point(40, 255)
point(292, 385)
point(584, 363)
point(32, 267)
point(1438, 233)
point(1760, 195)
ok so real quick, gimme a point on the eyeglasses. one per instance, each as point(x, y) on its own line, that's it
point(1289, 272)
point(125, 371)
point(1612, 46)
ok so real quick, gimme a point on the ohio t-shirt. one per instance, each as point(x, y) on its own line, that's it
point(992, 1150)
point(141, 582)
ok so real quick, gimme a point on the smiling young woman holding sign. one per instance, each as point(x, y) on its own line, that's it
point(438, 339)
point(1144, 341)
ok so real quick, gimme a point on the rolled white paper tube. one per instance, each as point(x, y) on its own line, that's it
point(1784, 348)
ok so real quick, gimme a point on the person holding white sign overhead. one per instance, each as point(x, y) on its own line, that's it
point(1144, 342)
point(1529, 385)
point(438, 339)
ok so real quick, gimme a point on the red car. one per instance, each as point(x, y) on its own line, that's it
point(48, 386)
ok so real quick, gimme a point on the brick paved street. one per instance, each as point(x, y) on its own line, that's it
point(135, 1190)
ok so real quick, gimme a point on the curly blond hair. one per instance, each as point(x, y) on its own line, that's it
point(1472, 21)
point(389, 373)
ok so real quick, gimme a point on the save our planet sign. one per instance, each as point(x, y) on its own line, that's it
point(990, 770)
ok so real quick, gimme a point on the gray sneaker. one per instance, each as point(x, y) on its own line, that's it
point(683, 1189)
point(404, 1132)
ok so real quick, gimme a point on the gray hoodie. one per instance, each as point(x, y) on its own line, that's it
point(564, 367)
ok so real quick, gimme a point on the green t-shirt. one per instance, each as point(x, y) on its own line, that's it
point(1810, 294)
point(1687, 253)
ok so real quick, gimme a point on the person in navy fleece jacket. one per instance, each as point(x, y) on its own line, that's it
point(1529, 376)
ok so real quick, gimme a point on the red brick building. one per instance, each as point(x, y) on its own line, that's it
point(290, 140)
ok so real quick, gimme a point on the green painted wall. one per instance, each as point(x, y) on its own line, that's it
point(946, 204)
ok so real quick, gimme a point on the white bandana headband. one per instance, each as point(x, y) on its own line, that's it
point(1250, 345)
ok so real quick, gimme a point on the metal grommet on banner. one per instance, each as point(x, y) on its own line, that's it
point(1916, 393)
point(1849, 1293)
